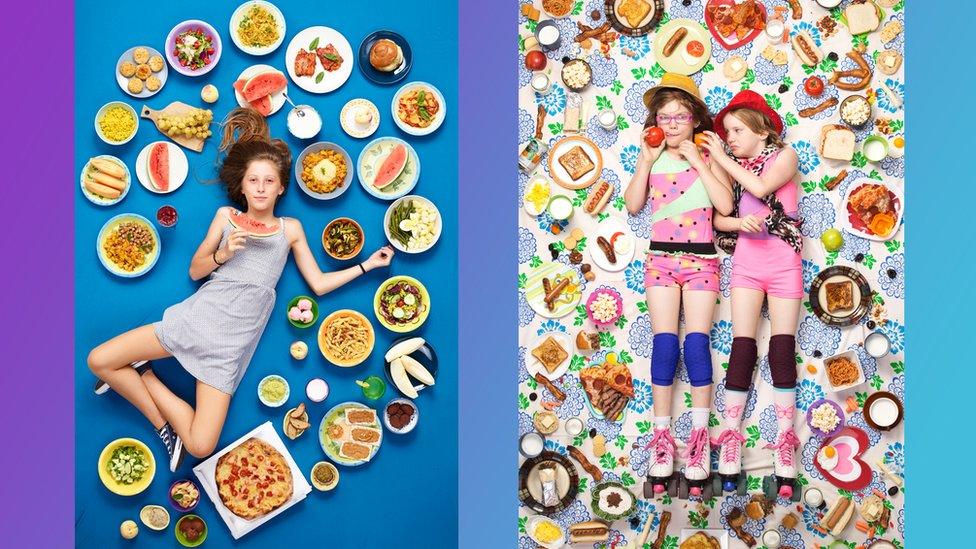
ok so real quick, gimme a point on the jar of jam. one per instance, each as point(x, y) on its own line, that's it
point(166, 216)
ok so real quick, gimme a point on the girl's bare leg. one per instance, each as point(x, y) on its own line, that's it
point(699, 310)
point(746, 308)
point(111, 361)
point(664, 303)
point(198, 428)
point(784, 314)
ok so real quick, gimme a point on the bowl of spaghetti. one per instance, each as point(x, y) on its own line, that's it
point(346, 338)
point(843, 371)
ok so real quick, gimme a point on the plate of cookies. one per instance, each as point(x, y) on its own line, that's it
point(141, 71)
point(549, 354)
point(840, 296)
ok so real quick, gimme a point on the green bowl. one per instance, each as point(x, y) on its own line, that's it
point(315, 311)
point(182, 539)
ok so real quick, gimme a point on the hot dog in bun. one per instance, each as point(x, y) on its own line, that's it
point(591, 531)
point(598, 198)
point(806, 49)
point(838, 516)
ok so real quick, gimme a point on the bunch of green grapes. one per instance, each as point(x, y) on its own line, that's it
point(190, 125)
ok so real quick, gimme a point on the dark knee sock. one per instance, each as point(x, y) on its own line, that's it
point(782, 361)
point(742, 362)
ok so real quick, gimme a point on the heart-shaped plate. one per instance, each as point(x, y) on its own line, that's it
point(851, 472)
point(723, 40)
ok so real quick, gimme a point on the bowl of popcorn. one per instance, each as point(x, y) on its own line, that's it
point(604, 306)
point(577, 74)
point(825, 418)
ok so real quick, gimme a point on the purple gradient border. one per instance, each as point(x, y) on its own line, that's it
point(37, 145)
point(487, 165)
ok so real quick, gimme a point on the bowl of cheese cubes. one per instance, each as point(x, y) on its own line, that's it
point(412, 224)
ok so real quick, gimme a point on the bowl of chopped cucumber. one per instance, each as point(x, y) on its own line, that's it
point(126, 466)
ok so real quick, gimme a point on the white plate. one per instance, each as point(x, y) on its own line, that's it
point(235, 21)
point(846, 222)
point(332, 80)
point(206, 472)
point(98, 200)
point(162, 75)
point(606, 229)
point(277, 99)
point(533, 365)
point(530, 207)
point(178, 167)
point(535, 519)
point(438, 224)
point(314, 147)
point(373, 154)
point(721, 535)
point(678, 61)
point(438, 120)
point(348, 122)
point(535, 294)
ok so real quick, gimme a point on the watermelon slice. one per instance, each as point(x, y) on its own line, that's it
point(254, 228)
point(262, 104)
point(265, 83)
point(157, 166)
point(239, 85)
point(392, 167)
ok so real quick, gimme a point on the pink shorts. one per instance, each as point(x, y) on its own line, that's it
point(768, 265)
point(688, 272)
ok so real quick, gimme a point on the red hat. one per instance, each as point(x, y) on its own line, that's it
point(748, 99)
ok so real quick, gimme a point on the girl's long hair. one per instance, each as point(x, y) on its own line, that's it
point(246, 138)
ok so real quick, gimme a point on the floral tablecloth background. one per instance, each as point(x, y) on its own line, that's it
point(620, 78)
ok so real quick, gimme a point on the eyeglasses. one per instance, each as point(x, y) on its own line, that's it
point(664, 119)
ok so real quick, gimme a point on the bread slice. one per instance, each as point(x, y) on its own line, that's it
point(550, 353)
point(577, 162)
point(840, 296)
point(837, 142)
point(862, 18)
point(634, 11)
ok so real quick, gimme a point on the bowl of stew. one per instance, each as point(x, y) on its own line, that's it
point(343, 238)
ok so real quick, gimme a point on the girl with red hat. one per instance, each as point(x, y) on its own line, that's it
point(681, 267)
point(763, 235)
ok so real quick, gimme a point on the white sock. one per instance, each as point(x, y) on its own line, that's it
point(699, 418)
point(663, 422)
point(735, 408)
point(785, 407)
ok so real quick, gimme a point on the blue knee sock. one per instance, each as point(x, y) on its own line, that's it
point(664, 359)
point(698, 359)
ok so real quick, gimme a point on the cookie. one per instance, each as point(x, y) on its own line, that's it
point(127, 69)
point(156, 63)
point(140, 55)
point(135, 85)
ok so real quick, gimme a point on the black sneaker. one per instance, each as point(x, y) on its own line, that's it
point(174, 446)
point(141, 366)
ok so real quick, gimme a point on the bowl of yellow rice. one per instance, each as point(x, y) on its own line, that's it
point(116, 123)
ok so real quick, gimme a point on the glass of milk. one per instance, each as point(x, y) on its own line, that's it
point(548, 35)
point(607, 119)
point(541, 83)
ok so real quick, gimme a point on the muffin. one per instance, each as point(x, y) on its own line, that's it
point(385, 55)
point(140, 54)
point(135, 85)
point(156, 63)
point(127, 69)
point(153, 83)
point(143, 71)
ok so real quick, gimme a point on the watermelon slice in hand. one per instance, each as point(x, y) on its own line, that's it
point(392, 167)
point(254, 228)
point(157, 166)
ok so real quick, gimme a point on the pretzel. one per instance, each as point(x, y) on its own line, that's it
point(862, 73)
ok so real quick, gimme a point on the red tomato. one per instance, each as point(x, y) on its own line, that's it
point(695, 48)
point(654, 136)
point(814, 86)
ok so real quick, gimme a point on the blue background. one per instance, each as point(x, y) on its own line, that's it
point(412, 480)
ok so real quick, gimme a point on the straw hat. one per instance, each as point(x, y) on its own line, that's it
point(674, 81)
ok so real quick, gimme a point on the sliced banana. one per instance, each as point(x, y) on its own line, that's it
point(399, 374)
point(404, 348)
point(417, 370)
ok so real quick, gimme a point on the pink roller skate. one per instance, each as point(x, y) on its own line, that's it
point(661, 472)
point(784, 467)
point(698, 466)
point(730, 458)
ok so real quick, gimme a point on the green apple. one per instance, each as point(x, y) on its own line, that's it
point(832, 240)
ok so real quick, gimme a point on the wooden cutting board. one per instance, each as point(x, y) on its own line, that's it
point(176, 108)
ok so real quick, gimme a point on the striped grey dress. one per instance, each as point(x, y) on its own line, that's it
point(214, 332)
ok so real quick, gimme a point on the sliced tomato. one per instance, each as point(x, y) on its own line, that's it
point(615, 236)
point(695, 48)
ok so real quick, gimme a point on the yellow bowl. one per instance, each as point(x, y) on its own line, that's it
point(117, 487)
point(419, 320)
point(329, 354)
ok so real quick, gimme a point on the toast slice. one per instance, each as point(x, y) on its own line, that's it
point(577, 163)
point(840, 296)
